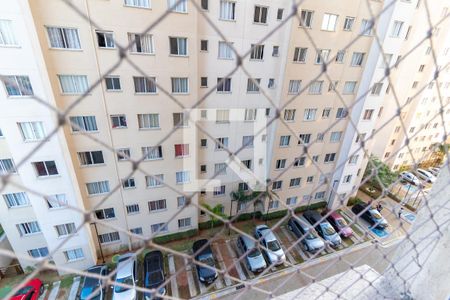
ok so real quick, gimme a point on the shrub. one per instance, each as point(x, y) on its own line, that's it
point(175, 236)
point(207, 224)
point(354, 200)
point(316, 205)
point(248, 216)
point(274, 215)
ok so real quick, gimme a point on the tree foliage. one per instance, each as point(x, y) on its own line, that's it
point(379, 173)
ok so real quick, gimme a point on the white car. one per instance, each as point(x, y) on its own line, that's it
point(273, 250)
point(126, 274)
point(434, 171)
point(425, 176)
point(409, 177)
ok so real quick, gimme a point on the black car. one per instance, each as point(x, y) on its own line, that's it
point(154, 273)
point(94, 288)
point(370, 214)
point(325, 230)
point(205, 256)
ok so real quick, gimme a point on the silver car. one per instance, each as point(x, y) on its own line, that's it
point(273, 250)
point(253, 258)
point(302, 230)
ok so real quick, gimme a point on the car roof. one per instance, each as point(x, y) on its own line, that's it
point(199, 244)
point(302, 222)
point(261, 227)
point(96, 269)
point(313, 214)
point(335, 215)
point(249, 243)
point(153, 260)
point(125, 265)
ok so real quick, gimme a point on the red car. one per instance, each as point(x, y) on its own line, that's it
point(30, 291)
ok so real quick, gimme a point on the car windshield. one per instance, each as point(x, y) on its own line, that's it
point(254, 252)
point(273, 245)
point(126, 280)
point(91, 281)
point(376, 215)
point(327, 229)
point(341, 223)
point(156, 277)
point(23, 290)
point(207, 260)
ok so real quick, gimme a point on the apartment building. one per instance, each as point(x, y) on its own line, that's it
point(131, 109)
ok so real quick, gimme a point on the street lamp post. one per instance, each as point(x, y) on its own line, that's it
point(98, 240)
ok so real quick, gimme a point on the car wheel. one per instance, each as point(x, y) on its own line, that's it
point(41, 290)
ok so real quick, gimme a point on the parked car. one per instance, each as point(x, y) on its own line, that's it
point(304, 231)
point(410, 178)
point(434, 171)
point(154, 274)
point(205, 256)
point(126, 274)
point(30, 291)
point(339, 223)
point(425, 176)
point(94, 288)
point(325, 230)
point(371, 215)
point(254, 258)
point(273, 250)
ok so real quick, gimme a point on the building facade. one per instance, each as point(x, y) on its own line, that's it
point(125, 78)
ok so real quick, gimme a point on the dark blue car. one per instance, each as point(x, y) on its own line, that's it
point(93, 287)
point(154, 274)
point(203, 253)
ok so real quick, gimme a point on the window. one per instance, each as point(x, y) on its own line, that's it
point(227, 10)
point(7, 166)
point(396, 29)
point(203, 142)
point(222, 142)
point(123, 154)
point(253, 85)
point(386, 61)
point(73, 84)
point(7, 36)
point(224, 85)
point(247, 141)
point(315, 88)
point(128, 183)
point(105, 39)
point(180, 85)
point(322, 56)
point(105, 213)
point(348, 23)
point(183, 177)
point(90, 158)
point(65, 229)
point(45, 168)
point(137, 3)
point(219, 190)
point(98, 187)
point(203, 82)
point(38, 252)
point(63, 38)
point(304, 138)
point(113, 83)
point(340, 56)
point(276, 185)
point(353, 159)
point(180, 120)
point(151, 153)
point(257, 52)
point(294, 86)
point(247, 163)
point(347, 178)
point(368, 114)
point(154, 180)
point(335, 136)
point(320, 137)
point(159, 227)
point(16, 199)
point(109, 237)
point(376, 88)
point(1, 133)
point(341, 113)
point(132, 209)
point(28, 228)
point(225, 51)
point(204, 4)
point(280, 14)
point(291, 200)
point(300, 54)
point(141, 43)
point(295, 182)
point(421, 68)
point(273, 204)
point(280, 164)
point(357, 59)
point(32, 131)
point(74, 254)
point(220, 169)
point(315, 158)
point(250, 114)
point(349, 87)
point(157, 205)
point(306, 18)
point(181, 201)
point(18, 86)
point(181, 150)
point(310, 114)
point(145, 85)
point(329, 22)
point(137, 230)
point(202, 168)
point(83, 123)
point(360, 137)
point(415, 84)
point(260, 15)
point(329, 157)
point(222, 116)
point(299, 161)
point(284, 140)
point(243, 186)
point(178, 46)
point(326, 113)
point(185, 222)
point(276, 51)
point(319, 195)
point(204, 45)
point(178, 5)
point(119, 121)
point(309, 179)
point(366, 27)
point(289, 114)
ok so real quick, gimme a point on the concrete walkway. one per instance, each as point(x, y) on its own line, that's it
point(54, 292)
point(74, 289)
point(173, 281)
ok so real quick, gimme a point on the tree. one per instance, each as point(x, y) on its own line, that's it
point(380, 175)
point(239, 196)
point(267, 193)
point(216, 210)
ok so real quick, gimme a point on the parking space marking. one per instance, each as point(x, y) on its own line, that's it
point(203, 288)
point(172, 271)
point(190, 276)
point(54, 291)
point(297, 246)
point(74, 288)
point(236, 262)
point(222, 264)
point(218, 283)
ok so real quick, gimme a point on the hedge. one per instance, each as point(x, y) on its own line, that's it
point(316, 205)
point(207, 224)
point(354, 200)
point(175, 236)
